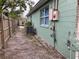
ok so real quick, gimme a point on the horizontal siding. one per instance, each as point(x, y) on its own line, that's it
point(42, 31)
point(78, 18)
point(66, 23)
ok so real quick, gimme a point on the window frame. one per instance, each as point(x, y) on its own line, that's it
point(44, 16)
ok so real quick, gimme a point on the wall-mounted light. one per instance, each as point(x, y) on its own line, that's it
point(68, 44)
point(69, 40)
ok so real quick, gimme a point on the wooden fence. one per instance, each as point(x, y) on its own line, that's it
point(7, 28)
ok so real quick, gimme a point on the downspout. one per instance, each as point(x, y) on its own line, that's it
point(54, 26)
point(54, 34)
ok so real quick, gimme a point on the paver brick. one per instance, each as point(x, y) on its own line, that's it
point(21, 47)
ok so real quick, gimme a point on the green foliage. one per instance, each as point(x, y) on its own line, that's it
point(12, 4)
point(1, 10)
point(2, 2)
point(28, 24)
point(13, 15)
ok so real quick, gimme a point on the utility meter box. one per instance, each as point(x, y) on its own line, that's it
point(55, 15)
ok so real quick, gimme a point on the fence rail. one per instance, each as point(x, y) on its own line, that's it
point(7, 28)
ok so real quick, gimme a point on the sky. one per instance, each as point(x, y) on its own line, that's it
point(24, 14)
point(35, 0)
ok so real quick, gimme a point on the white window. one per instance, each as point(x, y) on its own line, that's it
point(44, 17)
point(77, 55)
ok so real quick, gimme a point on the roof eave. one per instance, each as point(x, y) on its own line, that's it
point(38, 6)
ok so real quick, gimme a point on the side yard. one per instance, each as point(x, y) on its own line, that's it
point(24, 47)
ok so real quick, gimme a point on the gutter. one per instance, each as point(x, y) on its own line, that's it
point(38, 6)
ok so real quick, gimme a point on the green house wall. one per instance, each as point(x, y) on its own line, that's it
point(66, 24)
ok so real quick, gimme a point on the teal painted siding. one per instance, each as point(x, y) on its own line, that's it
point(42, 31)
point(66, 23)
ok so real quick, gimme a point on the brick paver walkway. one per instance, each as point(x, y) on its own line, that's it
point(21, 47)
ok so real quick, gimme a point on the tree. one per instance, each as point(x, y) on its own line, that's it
point(11, 5)
point(8, 8)
point(31, 4)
